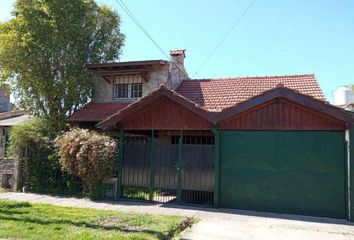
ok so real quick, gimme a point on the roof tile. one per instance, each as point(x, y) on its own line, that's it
point(218, 94)
point(96, 112)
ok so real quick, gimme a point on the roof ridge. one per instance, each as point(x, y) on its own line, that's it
point(251, 77)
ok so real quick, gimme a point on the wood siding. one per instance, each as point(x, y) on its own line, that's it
point(165, 114)
point(281, 115)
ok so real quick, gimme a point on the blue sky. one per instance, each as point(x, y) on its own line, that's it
point(274, 38)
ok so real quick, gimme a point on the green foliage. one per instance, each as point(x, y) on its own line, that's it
point(89, 155)
point(43, 50)
point(42, 174)
point(20, 220)
point(31, 133)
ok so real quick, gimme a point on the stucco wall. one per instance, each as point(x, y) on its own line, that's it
point(167, 74)
point(103, 89)
point(156, 76)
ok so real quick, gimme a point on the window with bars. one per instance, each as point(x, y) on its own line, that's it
point(201, 140)
point(127, 87)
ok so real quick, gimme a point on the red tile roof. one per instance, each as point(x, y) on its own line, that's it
point(214, 94)
point(96, 112)
point(218, 94)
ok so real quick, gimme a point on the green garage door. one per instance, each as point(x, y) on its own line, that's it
point(283, 171)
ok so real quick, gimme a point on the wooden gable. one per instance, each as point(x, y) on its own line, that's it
point(281, 114)
point(164, 114)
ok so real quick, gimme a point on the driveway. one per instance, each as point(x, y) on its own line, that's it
point(218, 223)
point(243, 227)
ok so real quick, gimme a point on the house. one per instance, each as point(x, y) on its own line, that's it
point(7, 121)
point(269, 143)
point(5, 104)
point(343, 97)
point(7, 164)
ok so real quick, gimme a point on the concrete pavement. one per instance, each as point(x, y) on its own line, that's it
point(217, 223)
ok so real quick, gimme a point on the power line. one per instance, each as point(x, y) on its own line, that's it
point(137, 23)
point(135, 20)
point(224, 37)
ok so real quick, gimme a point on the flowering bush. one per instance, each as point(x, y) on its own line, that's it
point(87, 154)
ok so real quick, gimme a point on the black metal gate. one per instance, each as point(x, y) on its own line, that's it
point(165, 172)
point(197, 174)
point(136, 171)
point(181, 173)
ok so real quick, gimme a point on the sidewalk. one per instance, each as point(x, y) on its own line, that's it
point(217, 223)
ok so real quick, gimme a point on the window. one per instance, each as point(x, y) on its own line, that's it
point(126, 87)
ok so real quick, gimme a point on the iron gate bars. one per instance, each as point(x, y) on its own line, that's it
point(181, 173)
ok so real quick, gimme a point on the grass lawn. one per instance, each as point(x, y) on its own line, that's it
point(21, 220)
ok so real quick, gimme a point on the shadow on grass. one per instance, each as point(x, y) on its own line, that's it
point(14, 208)
point(11, 212)
point(89, 225)
point(16, 205)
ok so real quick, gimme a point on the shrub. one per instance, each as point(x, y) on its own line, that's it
point(88, 155)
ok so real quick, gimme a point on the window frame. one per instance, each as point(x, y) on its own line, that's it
point(134, 87)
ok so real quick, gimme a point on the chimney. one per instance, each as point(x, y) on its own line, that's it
point(177, 56)
point(177, 70)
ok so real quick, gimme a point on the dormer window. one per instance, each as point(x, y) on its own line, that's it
point(127, 87)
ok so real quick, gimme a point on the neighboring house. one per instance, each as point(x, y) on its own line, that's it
point(8, 120)
point(269, 143)
point(343, 97)
point(5, 104)
point(7, 165)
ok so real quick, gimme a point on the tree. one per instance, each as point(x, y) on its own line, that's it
point(88, 155)
point(44, 48)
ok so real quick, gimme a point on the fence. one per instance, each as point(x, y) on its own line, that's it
point(168, 172)
point(181, 173)
point(42, 174)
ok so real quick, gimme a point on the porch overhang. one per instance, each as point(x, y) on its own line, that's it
point(141, 68)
